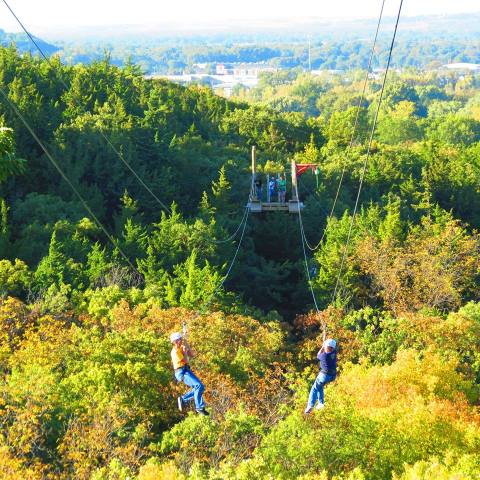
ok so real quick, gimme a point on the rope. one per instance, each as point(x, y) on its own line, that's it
point(233, 235)
point(64, 176)
point(352, 139)
point(247, 208)
point(362, 175)
point(220, 285)
point(89, 210)
point(302, 235)
point(117, 152)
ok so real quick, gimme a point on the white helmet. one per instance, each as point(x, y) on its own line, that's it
point(330, 343)
point(175, 336)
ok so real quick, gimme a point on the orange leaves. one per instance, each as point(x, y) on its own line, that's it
point(434, 268)
point(311, 327)
point(14, 319)
point(88, 444)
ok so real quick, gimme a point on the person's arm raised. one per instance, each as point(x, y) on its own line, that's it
point(187, 349)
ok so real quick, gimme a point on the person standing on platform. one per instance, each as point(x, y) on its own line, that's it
point(271, 189)
point(282, 189)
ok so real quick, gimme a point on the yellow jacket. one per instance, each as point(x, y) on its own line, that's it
point(179, 357)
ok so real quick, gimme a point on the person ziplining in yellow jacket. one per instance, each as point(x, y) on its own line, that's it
point(181, 354)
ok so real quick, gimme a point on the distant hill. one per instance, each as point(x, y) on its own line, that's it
point(422, 42)
point(24, 44)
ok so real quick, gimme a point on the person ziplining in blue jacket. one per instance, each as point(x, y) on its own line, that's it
point(328, 372)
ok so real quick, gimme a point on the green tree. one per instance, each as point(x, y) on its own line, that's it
point(9, 163)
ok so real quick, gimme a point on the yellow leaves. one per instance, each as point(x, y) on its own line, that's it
point(456, 337)
point(223, 338)
point(452, 467)
point(475, 112)
point(102, 395)
point(416, 396)
point(153, 470)
point(163, 322)
point(404, 109)
point(12, 468)
point(44, 343)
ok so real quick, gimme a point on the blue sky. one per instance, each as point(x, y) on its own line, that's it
point(40, 15)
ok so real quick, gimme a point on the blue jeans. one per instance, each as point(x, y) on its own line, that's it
point(188, 377)
point(316, 392)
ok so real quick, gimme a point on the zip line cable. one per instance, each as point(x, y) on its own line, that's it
point(302, 236)
point(352, 139)
point(362, 175)
point(64, 176)
point(244, 219)
point(99, 223)
point(231, 263)
point(118, 153)
point(221, 284)
point(233, 235)
point(304, 239)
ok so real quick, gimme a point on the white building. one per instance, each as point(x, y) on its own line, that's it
point(252, 70)
point(472, 67)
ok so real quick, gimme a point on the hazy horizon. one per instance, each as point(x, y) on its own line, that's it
point(54, 16)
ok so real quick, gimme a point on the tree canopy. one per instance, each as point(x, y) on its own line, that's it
point(87, 389)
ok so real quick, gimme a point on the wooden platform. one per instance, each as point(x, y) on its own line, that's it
point(259, 207)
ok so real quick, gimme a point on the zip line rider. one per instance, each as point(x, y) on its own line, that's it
point(181, 354)
point(328, 371)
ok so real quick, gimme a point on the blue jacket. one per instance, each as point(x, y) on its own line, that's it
point(328, 362)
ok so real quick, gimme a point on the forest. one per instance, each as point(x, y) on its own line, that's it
point(168, 57)
point(87, 302)
point(426, 42)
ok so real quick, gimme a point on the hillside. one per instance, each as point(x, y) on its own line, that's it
point(24, 44)
point(88, 302)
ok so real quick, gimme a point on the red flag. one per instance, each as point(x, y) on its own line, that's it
point(303, 167)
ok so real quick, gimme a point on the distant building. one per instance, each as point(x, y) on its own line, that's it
point(251, 70)
point(472, 67)
point(226, 76)
point(330, 71)
point(200, 68)
point(224, 89)
point(222, 69)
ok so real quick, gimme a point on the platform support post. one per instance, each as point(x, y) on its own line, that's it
point(294, 182)
point(268, 188)
point(254, 173)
